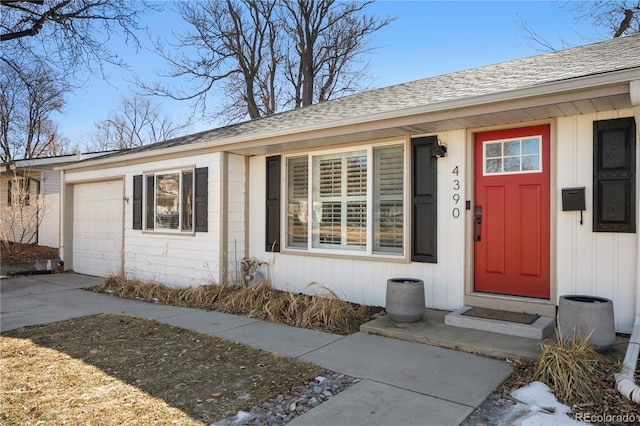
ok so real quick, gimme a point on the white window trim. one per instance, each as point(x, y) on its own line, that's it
point(521, 172)
point(178, 231)
point(342, 254)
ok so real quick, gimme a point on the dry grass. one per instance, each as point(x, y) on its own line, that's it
point(324, 311)
point(116, 369)
point(570, 364)
point(570, 367)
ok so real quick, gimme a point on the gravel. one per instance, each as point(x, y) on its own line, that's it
point(285, 408)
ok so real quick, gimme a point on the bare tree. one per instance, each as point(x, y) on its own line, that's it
point(327, 37)
point(28, 97)
point(267, 55)
point(24, 211)
point(617, 17)
point(48, 48)
point(138, 123)
point(233, 47)
point(69, 34)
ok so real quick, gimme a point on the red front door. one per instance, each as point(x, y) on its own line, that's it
point(511, 212)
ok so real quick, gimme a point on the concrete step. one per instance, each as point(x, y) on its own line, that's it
point(432, 330)
point(538, 330)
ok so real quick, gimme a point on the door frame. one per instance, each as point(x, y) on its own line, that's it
point(542, 307)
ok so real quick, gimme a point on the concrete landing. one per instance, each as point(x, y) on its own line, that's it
point(432, 330)
point(538, 330)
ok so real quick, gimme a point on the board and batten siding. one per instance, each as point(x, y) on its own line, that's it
point(365, 280)
point(235, 215)
point(169, 258)
point(49, 231)
point(591, 263)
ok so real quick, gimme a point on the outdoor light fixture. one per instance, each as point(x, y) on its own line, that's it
point(439, 150)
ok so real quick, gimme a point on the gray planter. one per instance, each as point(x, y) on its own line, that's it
point(584, 315)
point(405, 299)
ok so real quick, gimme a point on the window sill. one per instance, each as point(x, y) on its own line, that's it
point(345, 256)
point(168, 232)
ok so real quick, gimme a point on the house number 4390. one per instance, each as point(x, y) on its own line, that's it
point(455, 185)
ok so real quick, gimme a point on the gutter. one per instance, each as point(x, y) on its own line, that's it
point(550, 88)
point(625, 380)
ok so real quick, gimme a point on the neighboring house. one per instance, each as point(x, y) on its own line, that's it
point(30, 194)
point(353, 191)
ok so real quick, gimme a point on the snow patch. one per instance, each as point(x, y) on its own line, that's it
point(537, 406)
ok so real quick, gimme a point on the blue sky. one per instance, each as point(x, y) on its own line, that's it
point(428, 38)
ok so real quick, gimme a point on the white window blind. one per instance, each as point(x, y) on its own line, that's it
point(298, 200)
point(356, 201)
point(388, 199)
point(340, 200)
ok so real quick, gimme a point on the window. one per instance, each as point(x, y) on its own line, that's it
point(614, 175)
point(349, 201)
point(512, 156)
point(173, 200)
point(169, 200)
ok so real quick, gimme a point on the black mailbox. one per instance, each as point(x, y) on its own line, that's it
point(573, 199)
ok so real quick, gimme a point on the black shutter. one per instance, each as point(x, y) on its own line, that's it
point(273, 204)
point(423, 200)
point(150, 202)
point(137, 202)
point(614, 175)
point(9, 192)
point(201, 198)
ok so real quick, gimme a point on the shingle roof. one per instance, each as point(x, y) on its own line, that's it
point(599, 58)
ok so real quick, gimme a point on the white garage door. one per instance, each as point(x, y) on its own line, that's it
point(97, 228)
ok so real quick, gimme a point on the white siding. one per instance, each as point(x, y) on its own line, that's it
point(364, 280)
point(49, 232)
point(592, 263)
point(169, 258)
point(235, 201)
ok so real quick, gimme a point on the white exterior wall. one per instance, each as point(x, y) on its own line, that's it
point(170, 258)
point(49, 231)
point(235, 213)
point(365, 280)
point(599, 264)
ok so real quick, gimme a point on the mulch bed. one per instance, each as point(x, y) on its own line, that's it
point(19, 252)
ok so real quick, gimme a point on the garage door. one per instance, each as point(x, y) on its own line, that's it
point(98, 228)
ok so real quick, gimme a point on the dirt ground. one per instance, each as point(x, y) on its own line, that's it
point(117, 369)
point(17, 252)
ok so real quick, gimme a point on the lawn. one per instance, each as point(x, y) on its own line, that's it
point(117, 369)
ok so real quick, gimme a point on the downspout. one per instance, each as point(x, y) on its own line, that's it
point(625, 380)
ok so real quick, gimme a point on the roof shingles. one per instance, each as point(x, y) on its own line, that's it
point(604, 57)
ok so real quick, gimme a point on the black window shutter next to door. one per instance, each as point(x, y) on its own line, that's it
point(614, 175)
point(273, 204)
point(424, 242)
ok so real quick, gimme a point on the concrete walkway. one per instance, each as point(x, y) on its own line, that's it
point(404, 383)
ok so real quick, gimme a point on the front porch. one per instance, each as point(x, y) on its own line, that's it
point(432, 330)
